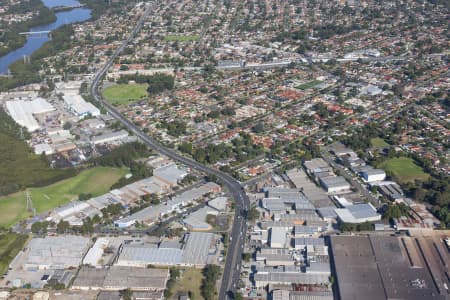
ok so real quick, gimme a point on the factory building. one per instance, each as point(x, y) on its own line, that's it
point(278, 237)
point(118, 278)
point(198, 250)
point(370, 174)
point(77, 105)
point(23, 112)
point(151, 214)
point(334, 184)
point(55, 252)
point(109, 137)
point(358, 213)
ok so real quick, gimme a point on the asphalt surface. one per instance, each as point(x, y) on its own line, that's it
point(232, 267)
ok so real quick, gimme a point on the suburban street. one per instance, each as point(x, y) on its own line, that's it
point(232, 264)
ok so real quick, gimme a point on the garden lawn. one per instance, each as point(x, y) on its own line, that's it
point(95, 181)
point(121, 94)
point(378, 143)
point(191, 281)
point(308, 85)
point(404, 169)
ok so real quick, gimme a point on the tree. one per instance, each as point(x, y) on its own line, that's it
point(39, 227)
point(126, 294)
point(62, 226)
point(211, 274)
point(253, 213)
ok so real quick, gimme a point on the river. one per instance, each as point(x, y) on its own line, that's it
point(34, 42)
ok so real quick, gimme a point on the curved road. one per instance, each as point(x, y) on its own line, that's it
point(232, 268)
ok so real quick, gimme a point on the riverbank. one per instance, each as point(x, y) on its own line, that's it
point(12, 37)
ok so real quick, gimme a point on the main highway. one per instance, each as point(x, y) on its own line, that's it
point(231, 272)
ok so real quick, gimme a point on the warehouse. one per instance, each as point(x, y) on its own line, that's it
point(170, 173)
point(219, 203)
point(385, 267)
point(334, 184)
point(118, 278)
point(302, 295)
point(263, 279)
point(95, 254)
point(197, 220)
point(109, 137)
point(275, 257)
point(55, 252)
point(144, 255)
point(370, 174)
point(278, 237)
point(136, 279)
point(198, 249)
point(22, 112)
point(316, 166)
point(358, 213)
point(152, 214)
point(79, 106)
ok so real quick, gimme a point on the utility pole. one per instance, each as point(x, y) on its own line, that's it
point(30, 203)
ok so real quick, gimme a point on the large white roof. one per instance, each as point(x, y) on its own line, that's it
point(22, 111)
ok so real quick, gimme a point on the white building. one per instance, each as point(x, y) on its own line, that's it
point(373, 175)
point(358, 213)
point(22, 112)
point(79, 106)
point(278, 237)
point(334, 184)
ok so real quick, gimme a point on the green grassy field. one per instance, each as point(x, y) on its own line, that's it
point(181, 38)
point(191, 281)
point(378, 143)
point(308, 85)
point(10, 245)
point(95, 181)
point(120, 94)
point(404, 169)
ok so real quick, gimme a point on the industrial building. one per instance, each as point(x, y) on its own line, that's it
point(197, 220)
point(278, 237)
point(358, 213)
point(22, 112)
point(391, 190)
point(370, 174)
point(334, 184)
point(312, 192)
point(170, 173)
point(55, 252)
point(118, 278)
point(317, 166)
point(151, 214)
point(318, 294)
point(388, 267)
point(109, 137)
point(197, 250)
point(285, 200)
point(94, 257)
point(77, 105)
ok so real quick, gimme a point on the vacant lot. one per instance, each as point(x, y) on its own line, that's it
point(378, 143)
point(10, 245)
point(404, 169)
point(121, 94)
point(95, 181)
point(191, 281)
point(181, 38)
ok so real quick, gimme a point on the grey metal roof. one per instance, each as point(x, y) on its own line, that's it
point(132, 254)
point(197, 248)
